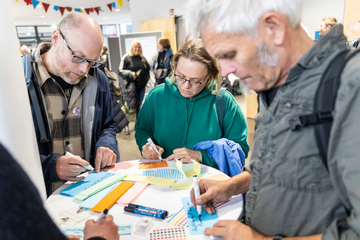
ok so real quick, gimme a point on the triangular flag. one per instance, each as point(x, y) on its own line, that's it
point(17, 0)
point(113, 5)
point(97, 10)
point(91, 10)
point(56, 8)
point(109, 5)
point(69, 9)
point(120, 2)
point(87, 10)
point(35, 3)
point(62, 9)
point(100, 9)
point(28, 2)
point(45, 6)
point(77, 9)
point(82, 10)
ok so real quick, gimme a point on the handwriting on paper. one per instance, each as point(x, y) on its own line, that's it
point(156, 164)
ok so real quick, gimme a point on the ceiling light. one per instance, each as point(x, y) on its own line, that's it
point(104, 18)
point(53, 26)
point(42, 16)
point(28, 34)
point(44, 22)
point(118, 10)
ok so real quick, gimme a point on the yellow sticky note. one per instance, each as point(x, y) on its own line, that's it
point(182, 185)
point(164, 182)
point(196, 170)
point(112, 197)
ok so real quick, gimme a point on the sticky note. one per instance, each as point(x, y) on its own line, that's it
point(89, 181)
point(164, 173)
point(152, 180)
point(182, 185)
point(154, 164)
point(112, 197)
point(196, 223)
point(196, 170)
point(100, 186)
point(94, 199)
point(132, 193)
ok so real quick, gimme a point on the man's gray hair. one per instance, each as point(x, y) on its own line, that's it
point(237, 16)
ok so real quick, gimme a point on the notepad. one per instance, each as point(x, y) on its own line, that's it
point(132, 194)
point(112, 197)
point(195, 171)
point(89, 181)
point(156, 164)
point(100, 186)
point(198, 224)
point(152, 180)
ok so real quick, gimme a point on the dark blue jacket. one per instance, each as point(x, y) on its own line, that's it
point(103, 133)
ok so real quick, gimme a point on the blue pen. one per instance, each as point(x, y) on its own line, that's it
point(146, 212)
point(147, 208)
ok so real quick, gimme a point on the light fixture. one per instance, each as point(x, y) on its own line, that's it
point(104, 18)
point(53, 26)
point(42, 16)
point(28, 34)
point(118, 10)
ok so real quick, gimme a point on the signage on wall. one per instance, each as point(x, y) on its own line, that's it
point(171, 12)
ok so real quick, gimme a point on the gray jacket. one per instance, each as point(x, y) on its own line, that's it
point(291, 192)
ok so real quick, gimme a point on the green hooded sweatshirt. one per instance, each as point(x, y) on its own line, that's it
point(173, 121)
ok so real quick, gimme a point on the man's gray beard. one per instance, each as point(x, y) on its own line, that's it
point(66, 79)
point(266, 56)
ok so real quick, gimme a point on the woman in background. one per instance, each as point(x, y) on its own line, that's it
point(161, 67)
point(134, 75)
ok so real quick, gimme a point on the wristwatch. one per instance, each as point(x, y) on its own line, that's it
point(278, 237)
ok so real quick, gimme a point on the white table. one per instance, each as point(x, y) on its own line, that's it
point(153, 196)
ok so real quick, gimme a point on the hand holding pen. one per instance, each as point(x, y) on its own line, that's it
point(68, 167)
point(152, 151)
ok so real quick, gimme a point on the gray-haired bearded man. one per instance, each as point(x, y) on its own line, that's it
point(289, 190)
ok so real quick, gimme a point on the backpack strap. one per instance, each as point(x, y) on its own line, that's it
point(27, 65)
point(220, 103)
point(324, 104)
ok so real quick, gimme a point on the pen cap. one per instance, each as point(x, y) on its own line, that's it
point(129, 209)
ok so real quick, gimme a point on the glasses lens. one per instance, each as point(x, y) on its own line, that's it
point(195, 83)
point(77, 59)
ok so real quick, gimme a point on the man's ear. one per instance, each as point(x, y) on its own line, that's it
point(272, 28)
point(55, 37)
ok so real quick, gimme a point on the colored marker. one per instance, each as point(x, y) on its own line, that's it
point(147, 208)
point(102, 214)
point(146, 212)
point(197, 193)
point(88, 167)
point(153, 147)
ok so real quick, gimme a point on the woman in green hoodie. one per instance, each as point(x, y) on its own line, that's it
point(182, 112)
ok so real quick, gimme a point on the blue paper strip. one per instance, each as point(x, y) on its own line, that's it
point(198, 224)
point(79, 231)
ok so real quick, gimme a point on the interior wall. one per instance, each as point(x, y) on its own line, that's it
point(154, 9)
point(314, 11)
point(352, 19)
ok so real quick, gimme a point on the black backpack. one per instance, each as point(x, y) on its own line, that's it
point(324, 104)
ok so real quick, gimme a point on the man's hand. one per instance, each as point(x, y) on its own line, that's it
point(149, 153)
point(68, 167)
point(185, 155)
point(233, 229)
point(211, 191)
point(72, 237)
point(104, 157)
point(105, 228)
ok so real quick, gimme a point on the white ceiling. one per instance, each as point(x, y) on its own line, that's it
point(27, 15)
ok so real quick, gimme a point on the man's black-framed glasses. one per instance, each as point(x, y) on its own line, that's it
point(79, 60)
point(193, 83)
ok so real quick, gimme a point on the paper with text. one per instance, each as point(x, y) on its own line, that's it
point(79, 231)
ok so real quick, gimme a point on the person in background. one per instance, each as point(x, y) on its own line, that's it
point(74, 102)
point(181, 116)
point(326, 24)
point(24, 49)
point(161, 65)
point(134, 74)
point(23, 215)
point(291, 192)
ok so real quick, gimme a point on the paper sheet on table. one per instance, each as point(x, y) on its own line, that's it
point(195, 171)
point(132, 194)
point(89, 181)
point(156, 164)
point(112, 197)
point(219, 177)
point(186, 169)
point(120, 165)
point(100, 186)
point(198, 224)
point(182, 185)
point(164, 173)
point(79, 231)
point(94, 199)
point(152, 180)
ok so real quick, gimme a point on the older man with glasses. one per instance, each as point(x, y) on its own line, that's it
point(72, 108)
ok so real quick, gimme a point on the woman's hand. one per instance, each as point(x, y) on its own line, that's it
point(149, 153)
point(185, 155)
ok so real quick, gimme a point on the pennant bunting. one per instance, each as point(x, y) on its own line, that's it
point(109, 5)
point(120, 2)
point(28, 2)
point(91, 10)
point(35, 3)
point(97, 10)
point(62, 9)
point(45, 6)
point(56, 8)
point(82, 10)
point(17, 0)
point(69, 9)
point(113, 5)
point(77, 9)
point(87, 10)
point(100, 9)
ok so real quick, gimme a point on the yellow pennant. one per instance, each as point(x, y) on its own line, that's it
point(120, 2)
